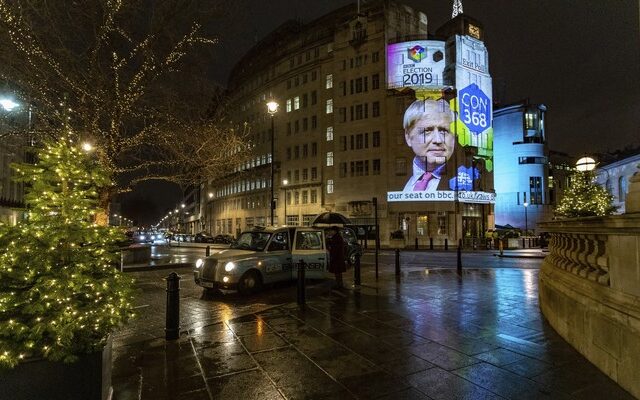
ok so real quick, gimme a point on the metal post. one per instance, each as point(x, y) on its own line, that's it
point(446, 244)
point(356, 271)
point(208, 251)
point(172, 330)
point(459, 265)
point(416, 243)
point(430, 243)
point(523, 243)
point(397, 262)
point(273, 160)
point(501, 246)
point(375, 211)
point(301, 283)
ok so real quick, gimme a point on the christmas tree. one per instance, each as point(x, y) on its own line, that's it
point(60, 293)
point(584, 198)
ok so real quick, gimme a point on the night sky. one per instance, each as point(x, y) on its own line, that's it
point(579, 58)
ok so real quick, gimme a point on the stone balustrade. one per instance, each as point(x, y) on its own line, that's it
point(590, 291)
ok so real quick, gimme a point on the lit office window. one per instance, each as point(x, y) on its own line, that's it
point(288, 105)
point(329, 185)
point(329, 81)
point(329, 133)
point(329, 158)
point(296, 103)
point(330, 106)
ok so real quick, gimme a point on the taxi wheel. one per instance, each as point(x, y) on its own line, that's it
point(249, 283)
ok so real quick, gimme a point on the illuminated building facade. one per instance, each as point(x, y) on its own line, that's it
point(339, 135)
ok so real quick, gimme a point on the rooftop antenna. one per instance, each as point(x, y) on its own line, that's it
point(457, 8)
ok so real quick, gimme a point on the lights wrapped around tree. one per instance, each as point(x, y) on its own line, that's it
point(60, 295)
point(584, 198)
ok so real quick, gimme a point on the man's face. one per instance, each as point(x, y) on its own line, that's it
point(431, 140)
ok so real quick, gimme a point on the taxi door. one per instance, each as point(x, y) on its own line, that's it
point(308, 246)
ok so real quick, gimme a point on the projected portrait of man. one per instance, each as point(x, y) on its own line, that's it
point(427, 131)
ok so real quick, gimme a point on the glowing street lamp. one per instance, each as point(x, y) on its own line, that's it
point(284, 184)
point(585, 164)
point(526, 222)
point(86, 146)
point(272, 109)
point(8, 104)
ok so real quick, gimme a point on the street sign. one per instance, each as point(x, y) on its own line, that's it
point(475, 108)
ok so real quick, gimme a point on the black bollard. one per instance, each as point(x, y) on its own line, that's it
point(523, 243)
point(397, 262)
point(356, 271)
point(446, 244)
point(301, 283)
point(208, 251)
point(172, 330)
point(529, 242)
point(459, 266)
point(416, 243)
point(430, 243)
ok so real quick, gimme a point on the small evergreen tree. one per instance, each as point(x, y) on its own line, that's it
point(585, 198)
point(60, 293)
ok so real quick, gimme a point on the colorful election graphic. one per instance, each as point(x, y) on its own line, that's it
point(415, 64)
point(447, 147)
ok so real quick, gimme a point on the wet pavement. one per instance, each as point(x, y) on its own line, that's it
point(430, 335)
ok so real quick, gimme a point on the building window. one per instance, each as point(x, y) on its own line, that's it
point(375, 138)
point(329, 133)
point(314, 97)
point(375, 109)
point(292, 220)
point(305, 100)
point(376, 167)
point(535, 190)
point(314, 149)
point(314, 122)
point(329, 106)
point(622, 188)
point(329, 158)
point(375, 81)
point(422, 225)
point(329, 81)
point(401, 166)
point(296, 152)
point(288, 128)
point(314, 74)
point(297, 126)
point(305, 197)
point(329, 185)
point(314, 196)
point(288, 105)
point(305, 174)
point(296, 103)
point(296, 197)
point(342, 114)
point(532, 160)
point(343, 169)
point(375, 56)
point(442, 223)
point(288, 153)
point(305, 150)
point(305, 124)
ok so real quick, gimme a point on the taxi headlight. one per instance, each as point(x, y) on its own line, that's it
point(142, 237)
point(199, 263)
point(229, 266)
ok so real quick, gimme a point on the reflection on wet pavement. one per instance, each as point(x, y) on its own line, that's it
point(434, 335)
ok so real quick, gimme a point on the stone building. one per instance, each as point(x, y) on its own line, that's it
point(339, 137)
point(615, 178)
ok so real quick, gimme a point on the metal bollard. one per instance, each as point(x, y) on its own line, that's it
point(207, 252)
point(416, 243)
point(430, 243)
point(501, 247)
point(446, 244)
point(172, 329)
point(356, 271)
point(397, 262)
point(523, 243)
point(301, 283)
point(459, 266)
point(529, 242)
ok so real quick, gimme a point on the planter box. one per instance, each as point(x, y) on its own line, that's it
point(136, 254)
point(87, 379)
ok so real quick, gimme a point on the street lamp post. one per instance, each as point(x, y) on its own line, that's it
point(526, 222)
point(272, 109)
point(284, 184)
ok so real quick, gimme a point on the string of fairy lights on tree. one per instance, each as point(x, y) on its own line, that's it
point(584, 198)
point(60, 294)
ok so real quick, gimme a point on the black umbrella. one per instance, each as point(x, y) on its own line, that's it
point(330, 219)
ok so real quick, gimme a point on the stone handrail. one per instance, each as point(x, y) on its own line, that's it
point(589, 290)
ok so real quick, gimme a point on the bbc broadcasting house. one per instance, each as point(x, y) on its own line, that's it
point(339, 137)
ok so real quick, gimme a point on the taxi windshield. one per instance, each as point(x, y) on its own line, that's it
point(255, 241)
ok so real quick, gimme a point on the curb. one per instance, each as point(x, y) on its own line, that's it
point(157, 267)
point(517, 256)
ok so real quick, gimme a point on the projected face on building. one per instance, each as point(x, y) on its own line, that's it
point(427, 126)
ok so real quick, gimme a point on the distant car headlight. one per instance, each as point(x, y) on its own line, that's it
point(142, 237)
point(229, 266)
point(199, 263)
point(153, 237)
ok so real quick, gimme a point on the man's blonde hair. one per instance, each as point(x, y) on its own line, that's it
point(419, 108)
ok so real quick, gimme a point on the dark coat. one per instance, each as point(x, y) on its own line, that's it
point(337, 257)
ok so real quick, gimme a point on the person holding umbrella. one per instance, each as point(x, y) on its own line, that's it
point(337, 260)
